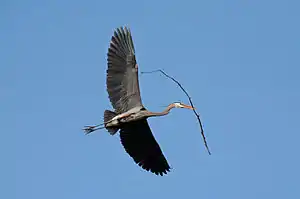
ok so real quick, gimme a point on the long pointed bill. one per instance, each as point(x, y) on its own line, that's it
point(189, 107)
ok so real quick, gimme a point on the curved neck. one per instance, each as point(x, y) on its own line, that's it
point(165, 112)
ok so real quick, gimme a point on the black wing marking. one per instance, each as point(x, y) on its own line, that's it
point(141, 145)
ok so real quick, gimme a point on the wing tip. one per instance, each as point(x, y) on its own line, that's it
point(122, 28)
point(123, 37)
point(125, 30)
point(162, 173)
point(160, 169)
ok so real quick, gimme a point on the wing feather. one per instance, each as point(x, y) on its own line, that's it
point(122, 73)
point(140, 144)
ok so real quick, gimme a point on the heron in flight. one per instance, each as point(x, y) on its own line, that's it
point(129, 115)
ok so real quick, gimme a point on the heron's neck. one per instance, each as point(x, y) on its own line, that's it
point(165, 112)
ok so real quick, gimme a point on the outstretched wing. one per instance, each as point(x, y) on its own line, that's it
point(122, 73)
point(141, 145)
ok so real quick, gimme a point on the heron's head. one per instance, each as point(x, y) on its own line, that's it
point(182, 105)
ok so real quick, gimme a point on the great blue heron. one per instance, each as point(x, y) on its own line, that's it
point(130, 116)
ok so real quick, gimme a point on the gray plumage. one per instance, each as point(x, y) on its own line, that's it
point(122, 73)
point(124, 94)
point(129, 115)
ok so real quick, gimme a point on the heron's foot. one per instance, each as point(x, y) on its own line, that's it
point(89, 129)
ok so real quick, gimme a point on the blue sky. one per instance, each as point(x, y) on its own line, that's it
point(239, 60)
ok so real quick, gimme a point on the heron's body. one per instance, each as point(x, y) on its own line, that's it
point(129, 115)
point(134, 114)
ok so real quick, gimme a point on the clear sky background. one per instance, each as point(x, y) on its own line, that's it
point(239, 60)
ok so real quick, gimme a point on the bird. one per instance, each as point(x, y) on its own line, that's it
point(130, 116)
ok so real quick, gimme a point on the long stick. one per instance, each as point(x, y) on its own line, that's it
point(197, 115)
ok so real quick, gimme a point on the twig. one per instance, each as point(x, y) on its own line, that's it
point(197, 115)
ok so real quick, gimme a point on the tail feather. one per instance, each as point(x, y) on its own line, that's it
point(108, 115)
